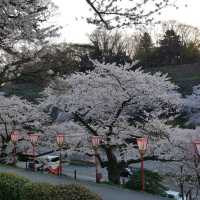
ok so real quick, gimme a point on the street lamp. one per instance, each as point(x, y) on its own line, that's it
point(14, 139)
point(60, 137)
point(142, 146)
point(33, 139)
point(96, 140)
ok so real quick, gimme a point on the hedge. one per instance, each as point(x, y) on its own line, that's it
point(74, 192)
point(153, 182)
point(13, 187)
point(37, 191)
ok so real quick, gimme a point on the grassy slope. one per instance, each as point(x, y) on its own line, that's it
point(185, 76)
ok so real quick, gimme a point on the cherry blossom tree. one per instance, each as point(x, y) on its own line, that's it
point(192, 106)
point(118, 104)
point(186, 172)
point(189, 175)
point(17, 114)
point(22, 33)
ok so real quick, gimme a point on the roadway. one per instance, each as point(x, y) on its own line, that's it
point(107, 192)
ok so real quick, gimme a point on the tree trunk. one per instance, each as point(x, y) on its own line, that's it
point(198, 179)
point(182, 190)
point(3, 154)
point(4, 144)
point(113, 167)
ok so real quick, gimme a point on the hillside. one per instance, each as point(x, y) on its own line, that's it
point(185, 76)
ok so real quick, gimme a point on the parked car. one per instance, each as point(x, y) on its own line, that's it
point(174, 195)
point(45, 163)
point(49, 161)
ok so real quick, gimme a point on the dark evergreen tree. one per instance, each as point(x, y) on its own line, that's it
point(145, 50)
point(146, 42)
point(191, 53)
point(171, 47)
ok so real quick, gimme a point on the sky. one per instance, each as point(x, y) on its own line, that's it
point(76, 31)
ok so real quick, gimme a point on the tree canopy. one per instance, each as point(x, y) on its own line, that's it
point(22, 31)
point(117, 104)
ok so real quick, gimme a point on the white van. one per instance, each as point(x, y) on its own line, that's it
point(174, 195)
point(48, 161)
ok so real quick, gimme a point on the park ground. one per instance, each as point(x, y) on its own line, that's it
point(107, 192)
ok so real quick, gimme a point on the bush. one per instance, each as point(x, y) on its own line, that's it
point(11, 186)
point(38, 191)
point(74, 192)
point(43, 191)
point(153, 182)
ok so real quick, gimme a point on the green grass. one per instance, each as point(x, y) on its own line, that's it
point(185, 76)
point(30, 91)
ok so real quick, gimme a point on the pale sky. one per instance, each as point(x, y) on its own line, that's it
point(77, 30)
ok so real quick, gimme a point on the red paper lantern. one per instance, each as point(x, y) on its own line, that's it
point(34, 138)
point(60, 137)
point(142, 144)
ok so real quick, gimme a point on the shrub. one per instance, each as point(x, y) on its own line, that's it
point(43, 191)
point(74, 192)
point(153, 182)
point(38, 191)
point(11, 186)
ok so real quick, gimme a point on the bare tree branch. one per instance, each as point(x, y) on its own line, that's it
point(112, 13)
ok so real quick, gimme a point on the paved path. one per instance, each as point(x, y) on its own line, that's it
point(105, 191)
point(86, 173)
